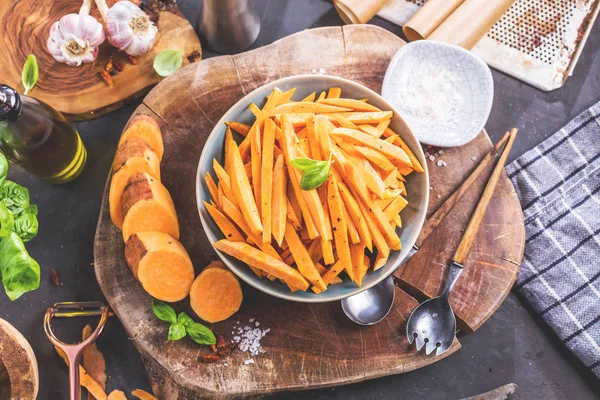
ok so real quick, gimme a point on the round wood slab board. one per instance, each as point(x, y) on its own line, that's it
point(309, 345)
point(79, 92)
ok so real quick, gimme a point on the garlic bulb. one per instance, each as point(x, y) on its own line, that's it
point(74, 39)
point(128, 27)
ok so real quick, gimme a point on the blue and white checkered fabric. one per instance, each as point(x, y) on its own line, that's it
point(558, 183)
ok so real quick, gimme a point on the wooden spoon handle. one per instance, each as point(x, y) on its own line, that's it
point(462, 252)
point(450, 202)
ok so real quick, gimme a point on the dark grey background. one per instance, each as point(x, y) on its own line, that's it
point(513, 346)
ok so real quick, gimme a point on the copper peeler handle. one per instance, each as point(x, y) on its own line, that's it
point(72, 352)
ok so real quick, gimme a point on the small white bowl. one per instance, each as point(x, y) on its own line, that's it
point(474, 86)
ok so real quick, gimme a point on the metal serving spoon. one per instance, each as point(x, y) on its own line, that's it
point(433, 324)
point(373, 305)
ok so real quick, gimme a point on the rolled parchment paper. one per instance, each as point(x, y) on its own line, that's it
point(428, 18)
point(358, 11)
point(470, 22)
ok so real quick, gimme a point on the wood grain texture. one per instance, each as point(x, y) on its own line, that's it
point(19, 360)
point(79, 92)
point(308, 345)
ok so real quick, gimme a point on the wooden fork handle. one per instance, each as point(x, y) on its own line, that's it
point(462, 252)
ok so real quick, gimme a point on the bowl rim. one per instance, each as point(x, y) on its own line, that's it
point(487, 73)
point(199, 199)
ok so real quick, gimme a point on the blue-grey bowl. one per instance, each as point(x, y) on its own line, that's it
point(417, 185)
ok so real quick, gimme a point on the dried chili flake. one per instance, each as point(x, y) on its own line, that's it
point(220, 341)
point(119, 66)
point(109, 67)
point(106, 78)
point(227, 349)
point(55, 279)
point(213, 348)
point(210, 358)
point(131, 59)
point(194, 56)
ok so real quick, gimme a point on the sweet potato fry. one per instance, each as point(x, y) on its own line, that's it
point(116, 395)
point(334, 93)
point(212, 188)
point(367, 117)
point(395, 207)
point(242, 190)
point(255, 162)
point(238, 127)
point(306, 107)
point(396, 155)
point(310, 97)
point(376, 158)
point(216, 295)
point(293, 217)
point(333, 272)
point(398, 141)
point(322, 95)
point(143, 395)
point(285, 97)
point(356, 215)
point(357, 254)
point(353, 104)
point(258, 259)
point(322, 270)
point(302, 258)
point(344, 122)
point(383, 223)
point(370, 129)
point(376, 235)
point(147, 206)
point(352, 231)
point(161, 264)
point(227, 227)
point(340, 227)
point(267, 179)
point(380, 261)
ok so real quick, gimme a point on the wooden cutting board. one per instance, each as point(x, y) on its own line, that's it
point(309, 345)
point(79, 92)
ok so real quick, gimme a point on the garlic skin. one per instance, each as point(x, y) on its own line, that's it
point(74, 39)
point(130, 29)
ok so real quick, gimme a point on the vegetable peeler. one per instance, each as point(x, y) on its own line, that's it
point(72, 352)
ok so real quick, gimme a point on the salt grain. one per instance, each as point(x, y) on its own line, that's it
point(441, 152)
point(432, 158)
point(249, 339)
point(474, 158)
point(441, 163)
point(248, 361)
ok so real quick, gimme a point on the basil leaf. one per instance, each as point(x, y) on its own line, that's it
point(25, 225)
point(3, 169)
point(15, 197)
point(305, 163)
point(184, 319)
point(163, 311)
point(167, 62)
point(201, 334)
point(176, 331)
point(32, 209)
point(20, 272)
point(315, 176)
point(7, 221)
point(30, 73)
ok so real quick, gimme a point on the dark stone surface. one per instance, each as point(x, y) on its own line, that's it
point(513, 346)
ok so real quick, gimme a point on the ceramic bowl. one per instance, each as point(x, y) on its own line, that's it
point(417, 185)
point(474, 84)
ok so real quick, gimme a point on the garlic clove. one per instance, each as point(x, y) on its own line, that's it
point(130, 29)
point(74, 39)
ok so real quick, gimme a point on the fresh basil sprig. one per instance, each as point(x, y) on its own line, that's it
point(167, 62)
point(30, 73)
point(314, 172)
point(182, 325)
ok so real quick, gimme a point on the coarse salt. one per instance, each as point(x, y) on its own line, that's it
point(249, 361)
point(430, 93)
point(249, 338)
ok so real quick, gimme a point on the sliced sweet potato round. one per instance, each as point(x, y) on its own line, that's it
point(145, 128)
point(216, 294)
point(133, 156)
point(216, 264)
point(147, 206)
point(161, 264)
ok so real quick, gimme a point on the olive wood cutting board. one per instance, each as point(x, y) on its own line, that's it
point(309, 345)
point(79, 92)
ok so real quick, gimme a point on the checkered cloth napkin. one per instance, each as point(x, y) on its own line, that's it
point(558, 183)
